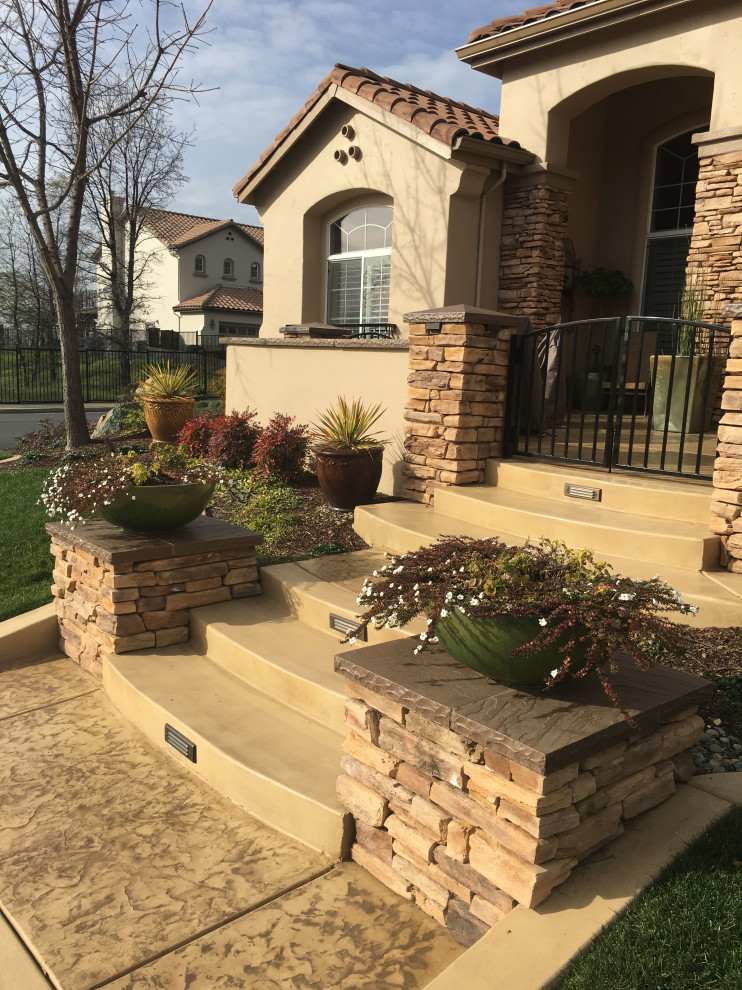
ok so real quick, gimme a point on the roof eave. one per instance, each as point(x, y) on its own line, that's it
point(467, 148)
point(489, 53)
point(245, 189)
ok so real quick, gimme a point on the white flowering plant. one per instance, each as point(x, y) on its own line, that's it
point(580, 604)
point(79, 488)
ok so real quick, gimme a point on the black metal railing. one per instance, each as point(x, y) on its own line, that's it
point(637, 392)
point(35, 374)
point(370, 331)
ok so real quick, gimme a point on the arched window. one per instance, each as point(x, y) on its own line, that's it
point(359, 266)
point(228, 268)
point(199, 265)
point(670, 224)
point(255, 271)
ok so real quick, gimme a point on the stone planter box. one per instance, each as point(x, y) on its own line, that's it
point(116, 592)
point(471, 797)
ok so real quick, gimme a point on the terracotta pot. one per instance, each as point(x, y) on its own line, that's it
point(167, 417)
point(487, 644)
point(158, 508)
point(349, 477)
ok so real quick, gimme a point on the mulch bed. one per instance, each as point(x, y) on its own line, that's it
point(713, 650)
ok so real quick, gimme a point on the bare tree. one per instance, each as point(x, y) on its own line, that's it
point(69, 68)
point(143, 172)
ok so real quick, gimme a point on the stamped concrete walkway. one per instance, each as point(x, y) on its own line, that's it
point(120, 869)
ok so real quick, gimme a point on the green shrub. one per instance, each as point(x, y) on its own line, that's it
point(268, 507)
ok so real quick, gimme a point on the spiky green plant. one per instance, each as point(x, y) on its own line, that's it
point(691, 307)
point(347, 426)
point(166, 381)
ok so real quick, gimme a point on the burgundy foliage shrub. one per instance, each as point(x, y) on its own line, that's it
point(281, 448)
point(233, 439)
point(195, 436)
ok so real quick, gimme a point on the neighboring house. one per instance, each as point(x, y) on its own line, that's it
point(203, 280)
point(626, 109)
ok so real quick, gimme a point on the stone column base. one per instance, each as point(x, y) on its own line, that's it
point(116, 592)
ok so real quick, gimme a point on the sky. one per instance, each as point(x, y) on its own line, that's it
point(263, 58)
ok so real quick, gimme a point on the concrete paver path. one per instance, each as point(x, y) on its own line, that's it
point(120, 868)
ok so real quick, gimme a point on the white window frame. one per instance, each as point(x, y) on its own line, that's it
point(364, 254)
point(202, 269)
point(228, 262)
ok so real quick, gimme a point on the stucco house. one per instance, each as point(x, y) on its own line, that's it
point(200, 280)
point(618, 147)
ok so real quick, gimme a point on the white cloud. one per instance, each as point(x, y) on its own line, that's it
point(266, 58)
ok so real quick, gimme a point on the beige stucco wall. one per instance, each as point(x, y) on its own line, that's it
point(541, 93)
point(215, 248)
point(305, 378)
point(436, 205)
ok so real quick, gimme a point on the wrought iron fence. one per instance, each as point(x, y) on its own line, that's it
point(35, 374)
point(638, 392)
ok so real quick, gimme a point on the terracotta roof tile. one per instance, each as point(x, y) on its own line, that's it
point(438, 116)
point(500, 25)
point(225, 297)
point(178, 229)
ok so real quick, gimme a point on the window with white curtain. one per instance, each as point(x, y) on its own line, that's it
point(359, 266)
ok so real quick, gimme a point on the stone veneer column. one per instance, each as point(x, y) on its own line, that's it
point(534, 221)
point(726, 507)
point(116, 592)
point(465, 805)
point(457, 386)
point(716, 244)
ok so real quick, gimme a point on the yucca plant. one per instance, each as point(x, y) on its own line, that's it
point(166, 381)
point(347, 426)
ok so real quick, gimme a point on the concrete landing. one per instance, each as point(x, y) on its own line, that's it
point(120, 868)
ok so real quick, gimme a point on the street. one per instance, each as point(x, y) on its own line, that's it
point(17, 420)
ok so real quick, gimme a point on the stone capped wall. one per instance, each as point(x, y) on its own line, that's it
point(534, 224)
point(716, 244)
point(457, 388)
point(116, 592)
point(469, 827)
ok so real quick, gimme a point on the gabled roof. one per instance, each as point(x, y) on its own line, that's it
point(437, 116)
point(224, 297)
point(175, 230)
point(500, 25)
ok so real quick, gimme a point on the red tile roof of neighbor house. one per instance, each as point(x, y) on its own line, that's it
point(178, 229)
point(225, 297)
point(437, 116)
point(502, 24)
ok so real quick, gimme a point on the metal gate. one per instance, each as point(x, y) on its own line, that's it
point(640, 393)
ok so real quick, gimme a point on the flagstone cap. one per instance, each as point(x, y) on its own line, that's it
point(539, 729)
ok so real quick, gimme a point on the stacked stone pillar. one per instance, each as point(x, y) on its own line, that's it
point(116, 592)
point(461, 804)
point(716, 244)
point(457, 387)
point(532, 254)
point(726, 507)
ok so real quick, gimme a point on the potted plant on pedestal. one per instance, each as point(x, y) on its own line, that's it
point(536, 614)
point(348, 454)
point(168, 394)
point(155, 489)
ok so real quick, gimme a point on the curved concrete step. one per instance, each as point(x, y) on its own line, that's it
point(272, 651)
point(583, 524)
point(274, 762)
point(684, 499)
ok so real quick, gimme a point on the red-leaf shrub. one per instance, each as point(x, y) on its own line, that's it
point(281, 449)
point(233, 438)
point(195, 436)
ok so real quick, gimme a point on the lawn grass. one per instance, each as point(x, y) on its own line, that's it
point(680, 934)
point(25, 561)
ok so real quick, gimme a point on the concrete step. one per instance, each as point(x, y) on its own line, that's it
point(647, 495)
point(276, 763)
point(275, 653)
point(404, 526)
point(582, 524)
